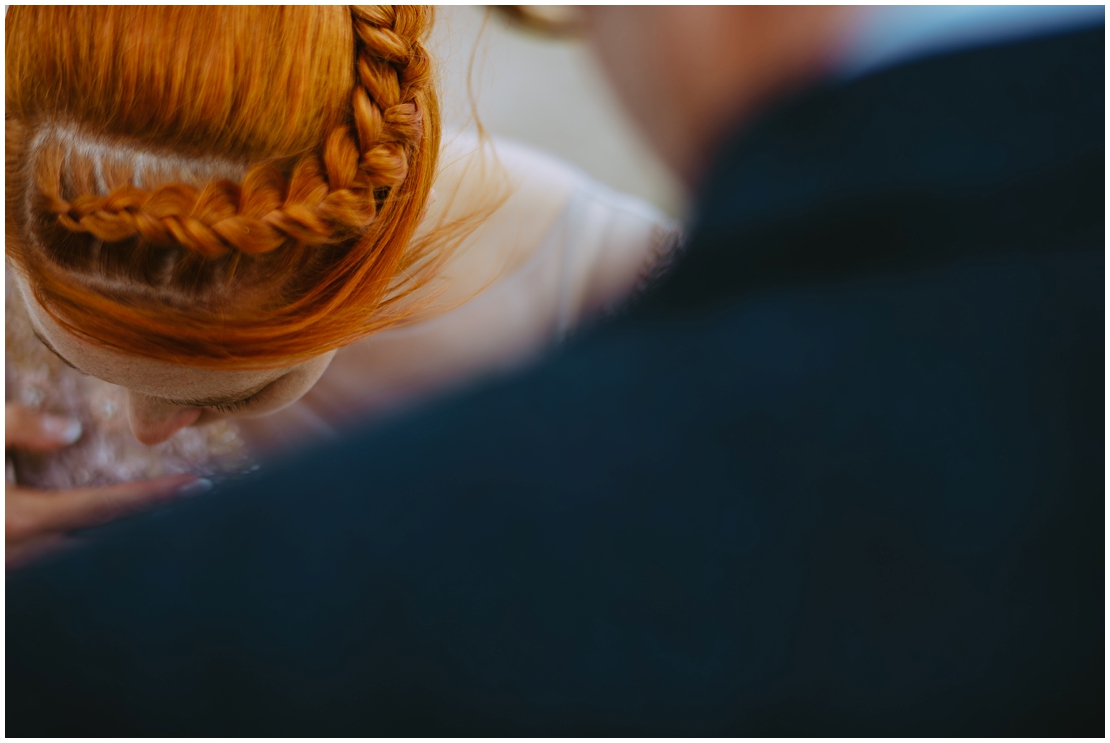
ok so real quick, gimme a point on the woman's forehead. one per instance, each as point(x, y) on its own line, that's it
point(146, 376)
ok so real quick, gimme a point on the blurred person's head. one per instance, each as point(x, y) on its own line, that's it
point(205, 202)
point(689, 75)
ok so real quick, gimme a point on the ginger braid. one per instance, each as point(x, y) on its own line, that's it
point(329, 197)
point(309, 250)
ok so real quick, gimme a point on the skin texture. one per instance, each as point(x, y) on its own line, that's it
point(164, 398)
point(690, 75)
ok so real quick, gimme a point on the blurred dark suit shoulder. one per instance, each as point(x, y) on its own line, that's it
point(840, 473)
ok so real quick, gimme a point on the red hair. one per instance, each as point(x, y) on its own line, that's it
point(232, 187)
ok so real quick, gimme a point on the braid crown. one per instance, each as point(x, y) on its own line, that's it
point(329, 196)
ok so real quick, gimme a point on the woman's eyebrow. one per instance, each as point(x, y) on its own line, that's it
point(225, 400)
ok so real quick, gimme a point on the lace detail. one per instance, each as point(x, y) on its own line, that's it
point(668, 247)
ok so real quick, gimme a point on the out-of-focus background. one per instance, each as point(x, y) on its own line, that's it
point(547, 93)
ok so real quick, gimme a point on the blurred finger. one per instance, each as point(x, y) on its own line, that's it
point(27, 428)
point(30, 513)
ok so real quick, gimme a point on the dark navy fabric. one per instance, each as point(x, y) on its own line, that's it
point(840, 474)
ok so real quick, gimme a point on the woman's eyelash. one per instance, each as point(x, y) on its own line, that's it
point(231, 407)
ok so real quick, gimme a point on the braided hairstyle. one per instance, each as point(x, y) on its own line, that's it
point(233, 187)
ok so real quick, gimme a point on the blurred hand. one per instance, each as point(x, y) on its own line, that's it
point(37, 521)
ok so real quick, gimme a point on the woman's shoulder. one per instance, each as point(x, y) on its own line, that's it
point(470, 153)
point(509, 193)
point(522, 201)
point(531, 174)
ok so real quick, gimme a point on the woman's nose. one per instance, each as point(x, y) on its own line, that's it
point(154, 421)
